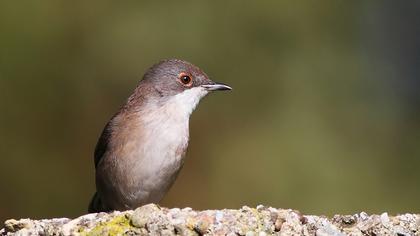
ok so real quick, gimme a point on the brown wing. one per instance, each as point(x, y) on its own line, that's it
point(102, 144)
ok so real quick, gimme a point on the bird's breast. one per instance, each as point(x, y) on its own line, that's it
point(159, 156)
point(144, 158)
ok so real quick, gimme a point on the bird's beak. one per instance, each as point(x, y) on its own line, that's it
point(216, 86)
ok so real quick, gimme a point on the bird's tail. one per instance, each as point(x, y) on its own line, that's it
point(95, 204)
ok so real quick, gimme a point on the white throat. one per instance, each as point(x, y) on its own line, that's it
point(187, 101)
point(175, 111)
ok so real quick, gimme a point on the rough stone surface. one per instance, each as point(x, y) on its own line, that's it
point(261, 221)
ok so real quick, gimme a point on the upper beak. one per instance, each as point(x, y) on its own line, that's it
point(216, 86)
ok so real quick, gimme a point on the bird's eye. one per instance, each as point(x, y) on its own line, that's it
point(185, 79)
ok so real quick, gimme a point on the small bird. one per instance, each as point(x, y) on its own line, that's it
point(142, 148)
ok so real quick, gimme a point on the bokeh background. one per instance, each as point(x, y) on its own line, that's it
point(324, 116)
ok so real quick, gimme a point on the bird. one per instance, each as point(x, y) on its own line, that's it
point(142, 148)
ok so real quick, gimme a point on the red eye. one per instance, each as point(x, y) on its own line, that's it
point(185, 79)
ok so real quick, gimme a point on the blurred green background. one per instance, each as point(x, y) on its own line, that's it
point(324, 116)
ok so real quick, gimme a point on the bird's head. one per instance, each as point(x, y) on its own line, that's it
point(178, 82)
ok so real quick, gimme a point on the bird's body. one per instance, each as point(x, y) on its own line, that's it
point(142, 148)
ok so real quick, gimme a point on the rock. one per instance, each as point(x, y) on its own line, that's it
point(261, 221)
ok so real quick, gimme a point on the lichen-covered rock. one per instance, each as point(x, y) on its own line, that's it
point(154, 220)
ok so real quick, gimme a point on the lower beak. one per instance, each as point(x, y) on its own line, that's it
point(216, 86)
